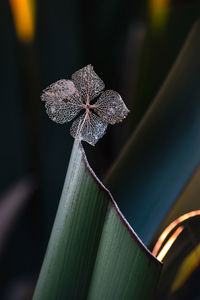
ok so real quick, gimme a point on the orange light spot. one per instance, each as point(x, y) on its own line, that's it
point(159, 12)
point(158, 5)
point(23, 12)
point(169, 243)
point(171, 227)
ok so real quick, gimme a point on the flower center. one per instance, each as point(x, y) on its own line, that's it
point(87, 106)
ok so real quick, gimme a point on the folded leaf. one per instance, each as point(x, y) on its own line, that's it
point(164, 151)
point(187, 201)
point(181, 261)
point(93, 253)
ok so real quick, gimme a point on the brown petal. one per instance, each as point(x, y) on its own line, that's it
point(62, 90)
point(88, 83)
point(89, 128)
point(110, 107)
point(61, 112)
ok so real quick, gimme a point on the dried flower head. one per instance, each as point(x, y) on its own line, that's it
point(66, 98)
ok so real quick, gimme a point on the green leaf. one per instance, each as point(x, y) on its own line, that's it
point(187, 201)
point(93, 253)
point(183, 257)
point(161, 46)
point(164, 150)
point(184, 252)
point(188, 266)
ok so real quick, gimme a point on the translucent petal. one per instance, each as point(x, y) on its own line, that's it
point(89, 127)
point(61, 112)
point(62, 90)
point(88, 83)
point(110, 107)
point(63, 101)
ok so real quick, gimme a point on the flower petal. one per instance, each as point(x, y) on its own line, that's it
point(63, 101)
point(89, 127)
point(62, 90)
point(110, 107)
point(61, 112)
point(88, 83)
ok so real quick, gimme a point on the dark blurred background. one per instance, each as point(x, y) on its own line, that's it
point(132, 46)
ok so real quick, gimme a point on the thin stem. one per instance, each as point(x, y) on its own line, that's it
point(82, 124)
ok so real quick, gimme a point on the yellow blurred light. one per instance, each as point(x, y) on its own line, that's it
point(169, 228)
point(190, 263)
point(159, 12)
point(169, 243)
point(158, 5)
point(23, 12)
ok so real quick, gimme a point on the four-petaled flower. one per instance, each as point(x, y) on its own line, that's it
point(66, 98)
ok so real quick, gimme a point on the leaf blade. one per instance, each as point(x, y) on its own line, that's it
point(68, 266)
point(156, 174)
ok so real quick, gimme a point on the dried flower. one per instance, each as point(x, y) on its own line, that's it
point(66, 98)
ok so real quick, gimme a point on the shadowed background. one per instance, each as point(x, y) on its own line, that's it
point(132, 46)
